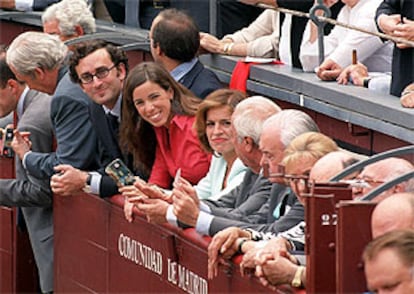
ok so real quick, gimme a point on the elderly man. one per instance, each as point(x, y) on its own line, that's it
point(381, 172)
point(392, 213)
point(38, 59)
point(237, 240)
point(68, 19)
point(286, 269)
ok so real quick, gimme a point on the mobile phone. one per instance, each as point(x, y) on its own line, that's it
point(7, 139)
point(122, 175)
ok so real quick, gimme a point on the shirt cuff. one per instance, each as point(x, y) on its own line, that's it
point(24, 5)
point(204, 207)
point(171, 217)
point(24, 158)
point(95, 182)
point(203, 223)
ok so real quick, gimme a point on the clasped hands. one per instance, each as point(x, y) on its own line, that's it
point(272, 263)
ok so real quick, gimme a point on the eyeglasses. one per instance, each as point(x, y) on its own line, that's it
point(100, 73)
point(362, 183)
point(280, 173)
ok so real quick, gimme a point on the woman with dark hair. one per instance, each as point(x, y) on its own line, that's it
point(157, 126)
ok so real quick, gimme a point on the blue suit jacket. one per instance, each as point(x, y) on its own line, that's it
point(201, 81)
point(77, 143)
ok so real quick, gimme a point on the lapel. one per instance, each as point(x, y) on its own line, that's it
point(31, 94)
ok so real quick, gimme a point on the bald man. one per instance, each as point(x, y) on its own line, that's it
point(384, 171)
point(392, 213)
point(330, 165)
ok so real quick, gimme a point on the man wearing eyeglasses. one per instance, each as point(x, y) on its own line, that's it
point(380, 172)
point(100, 68)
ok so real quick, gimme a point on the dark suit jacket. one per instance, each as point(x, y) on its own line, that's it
point(42, 4)
point(402, 59)
point(77, 143)
point(201, 81)
point(109, 150)
point(140, 14)
point(32, 194)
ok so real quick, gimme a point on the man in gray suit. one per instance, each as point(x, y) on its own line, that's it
point(38, 59)
point(33, 195)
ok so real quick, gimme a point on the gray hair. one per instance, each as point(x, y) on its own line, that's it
point(291, 123)
point(69, 14)
point(31, 50)
point(249, 115)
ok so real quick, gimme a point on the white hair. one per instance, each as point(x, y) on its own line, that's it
point(69, 14)
point(31, 50)
point(291, 123)
point(249, 115)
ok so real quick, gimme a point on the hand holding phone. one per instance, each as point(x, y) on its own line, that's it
point(122, 175)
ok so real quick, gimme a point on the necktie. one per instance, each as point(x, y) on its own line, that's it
point(113, 122)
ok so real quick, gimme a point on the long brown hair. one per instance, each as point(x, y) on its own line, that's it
point(137, 136)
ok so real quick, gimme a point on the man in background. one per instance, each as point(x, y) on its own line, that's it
point(175, 40)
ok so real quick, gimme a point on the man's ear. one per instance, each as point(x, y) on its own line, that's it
point(39, 73)
point(121, 71)
point(398, 188)
point(13, 85)
point(249, 144)
point(79, 31)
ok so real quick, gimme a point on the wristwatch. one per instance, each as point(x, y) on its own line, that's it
point(254, 235)
point(297, 279)
point(87, 188)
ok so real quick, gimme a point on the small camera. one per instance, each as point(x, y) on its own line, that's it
point(7, 139)
point(118, 170)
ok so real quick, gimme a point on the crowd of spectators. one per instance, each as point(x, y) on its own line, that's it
point(232, 167)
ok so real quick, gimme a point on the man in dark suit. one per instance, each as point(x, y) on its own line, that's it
point(31, 194)
point(100, 68)
point(396, 18)
point(38, 59)
point(175, 40)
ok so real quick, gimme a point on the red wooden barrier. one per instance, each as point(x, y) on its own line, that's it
point(97, 250)
point(321, 219)
point(353, 234)
point(18, 272)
